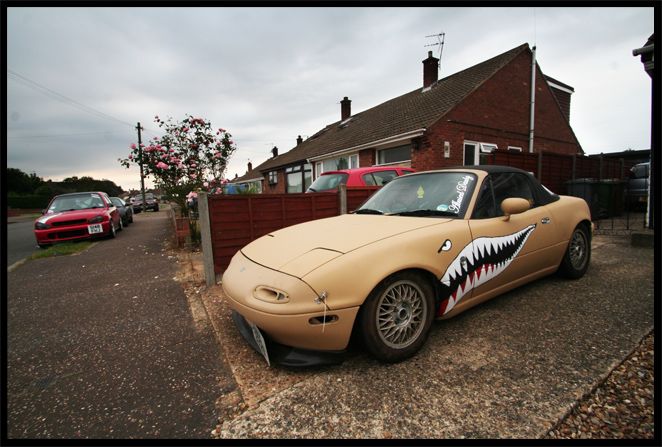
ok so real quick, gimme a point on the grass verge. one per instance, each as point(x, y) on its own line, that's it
point(62, 249)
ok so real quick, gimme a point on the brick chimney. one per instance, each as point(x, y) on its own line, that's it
point(299, 140)
point(430, 70)
point(274, 151)
point(250, 166)
point(345, 108)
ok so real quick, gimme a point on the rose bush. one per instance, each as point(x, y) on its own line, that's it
point(190, 156)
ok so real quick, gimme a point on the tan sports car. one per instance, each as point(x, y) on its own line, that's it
point(427, 245)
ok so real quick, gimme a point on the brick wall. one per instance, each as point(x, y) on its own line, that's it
point(498, 112)
point(366, 158)
point(278, 188)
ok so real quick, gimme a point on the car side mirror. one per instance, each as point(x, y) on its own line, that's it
point(514, 205)
point(43, 211)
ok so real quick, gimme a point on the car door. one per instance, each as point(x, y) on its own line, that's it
point(507, 250)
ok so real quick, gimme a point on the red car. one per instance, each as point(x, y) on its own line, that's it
point(372, 176)
point(79, 215)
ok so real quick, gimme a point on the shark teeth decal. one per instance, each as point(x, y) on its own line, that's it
point(479, 261)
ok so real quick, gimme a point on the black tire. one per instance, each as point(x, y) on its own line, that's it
point(131, 219)
point(396, 317)
point(121, 225)
point(578, 254)
point(156, 208)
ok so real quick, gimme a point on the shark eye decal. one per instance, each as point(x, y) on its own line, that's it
point(479, 261)
point(446, 246)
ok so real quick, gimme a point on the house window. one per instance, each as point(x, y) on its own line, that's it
point(298, 178)
point(514, 149)
point(273, 177)
point(336, 164)
point(394, 155)
point(477, 153)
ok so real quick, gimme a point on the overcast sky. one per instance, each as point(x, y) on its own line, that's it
point(78, 79)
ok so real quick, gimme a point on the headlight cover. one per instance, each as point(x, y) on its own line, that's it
point(96, 219)
point(41, 226)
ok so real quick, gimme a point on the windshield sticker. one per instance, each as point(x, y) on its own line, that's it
point(461, 189)
point(442, 207)
point(420, 192)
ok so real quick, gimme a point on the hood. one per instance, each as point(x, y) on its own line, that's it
point(299, 249)
point(65, 216)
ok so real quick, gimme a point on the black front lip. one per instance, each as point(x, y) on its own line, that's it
point(287, 355)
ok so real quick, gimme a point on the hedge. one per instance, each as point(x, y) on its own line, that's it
point(28, 201)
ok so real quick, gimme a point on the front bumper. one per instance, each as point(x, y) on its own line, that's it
point(286, 355)
point(300, 323)
point(69, 233)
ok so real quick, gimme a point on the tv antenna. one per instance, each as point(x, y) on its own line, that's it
point(440, 41)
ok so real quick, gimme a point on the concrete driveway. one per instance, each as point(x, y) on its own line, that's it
point(509, 368)
point(106, 344)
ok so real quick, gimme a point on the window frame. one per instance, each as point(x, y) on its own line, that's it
point(379, 156)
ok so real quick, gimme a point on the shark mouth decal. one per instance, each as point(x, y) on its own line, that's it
point(479, 261)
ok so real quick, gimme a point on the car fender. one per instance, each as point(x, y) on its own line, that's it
point(349, 279)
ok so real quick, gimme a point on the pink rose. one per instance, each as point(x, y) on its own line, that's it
point(193, 176)
point(161, 165)
point(133, 146)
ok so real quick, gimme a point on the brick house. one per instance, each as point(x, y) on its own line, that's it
point(456, 120)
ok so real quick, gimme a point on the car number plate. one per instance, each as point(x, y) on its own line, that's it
point(259, 339)
point(96, 228)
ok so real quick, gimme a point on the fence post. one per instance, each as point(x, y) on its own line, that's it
point(342, 193)
point(205, 238)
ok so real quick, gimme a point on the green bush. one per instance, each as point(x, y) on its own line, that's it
point(28, 202)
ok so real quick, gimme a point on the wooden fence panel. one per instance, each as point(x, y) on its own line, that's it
point(236, 220)
point(356, 196)
point(557, 169)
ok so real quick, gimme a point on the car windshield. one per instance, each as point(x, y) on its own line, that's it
point(327, 182)
point(423, 195)
point(76, 202)
point(117, 201)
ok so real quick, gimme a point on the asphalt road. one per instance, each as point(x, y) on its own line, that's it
point(106, 344)
point(20, 241)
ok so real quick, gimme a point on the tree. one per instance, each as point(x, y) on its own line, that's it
point(190, 156)
point(21, 183)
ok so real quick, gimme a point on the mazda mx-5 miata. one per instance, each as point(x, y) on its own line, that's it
point(427, 245)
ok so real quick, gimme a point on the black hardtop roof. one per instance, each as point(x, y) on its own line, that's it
point(491, 168)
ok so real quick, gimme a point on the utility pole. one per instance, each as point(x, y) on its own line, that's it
point(142, 176)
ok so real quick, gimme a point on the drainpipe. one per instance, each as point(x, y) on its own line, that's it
point(533, 98)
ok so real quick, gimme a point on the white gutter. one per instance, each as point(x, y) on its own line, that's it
point(559, 87)
point(393, 139)
point(533, 99)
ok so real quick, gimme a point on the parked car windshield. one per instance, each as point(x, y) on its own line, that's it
point(327, 182)
point(431, 194)
point(76, 202)
point(117, 201)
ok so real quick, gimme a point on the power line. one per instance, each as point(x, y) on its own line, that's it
point(57, 135)
point(62, 98)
